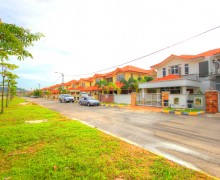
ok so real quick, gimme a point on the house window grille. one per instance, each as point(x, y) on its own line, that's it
point(174, 69)
point(186, 69)
point(83, 84)
point(164, 72)
point(120, 77)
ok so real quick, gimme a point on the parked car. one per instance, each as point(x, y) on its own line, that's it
point(83, 94)
point(89, 101)
point(66, 98)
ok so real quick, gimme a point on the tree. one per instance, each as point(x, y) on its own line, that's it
point(109, 86)
point(10, 80)
point(37, 93)
point(5, 68)
point(63, 91)
point(14, 41)
point(131, 84)
point(13, 89)
point(102, 84)
point(148, 78)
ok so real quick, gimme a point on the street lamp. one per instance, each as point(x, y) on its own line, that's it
point(62, 79)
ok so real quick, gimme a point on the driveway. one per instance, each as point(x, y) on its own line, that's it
point(193, 141)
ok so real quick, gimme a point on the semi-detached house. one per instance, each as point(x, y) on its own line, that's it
point(181, 73)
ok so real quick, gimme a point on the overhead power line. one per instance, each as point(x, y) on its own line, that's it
point(52, 83)
point(155, 52)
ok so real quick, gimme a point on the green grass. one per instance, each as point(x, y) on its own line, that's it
point(67, 149)
point(183, 110)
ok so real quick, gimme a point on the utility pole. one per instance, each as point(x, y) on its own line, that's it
point(62, 85)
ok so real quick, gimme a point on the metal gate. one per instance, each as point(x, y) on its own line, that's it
point(149, 99)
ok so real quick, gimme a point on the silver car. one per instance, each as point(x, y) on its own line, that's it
point(89, 101)
point(66, 98)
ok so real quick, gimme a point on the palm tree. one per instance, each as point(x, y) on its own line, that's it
point(102, 84)
point(131, 84)
point(109, 86)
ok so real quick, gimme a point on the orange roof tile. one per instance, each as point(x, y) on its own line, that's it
point(70, 82)
point(210, 52)
point(190, 57)
point(92, 88)
point(55, 91)
point(167, 78)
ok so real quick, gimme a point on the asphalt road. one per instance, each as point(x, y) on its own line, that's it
point(193, 141)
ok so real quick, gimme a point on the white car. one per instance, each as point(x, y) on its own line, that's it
point(66, 98)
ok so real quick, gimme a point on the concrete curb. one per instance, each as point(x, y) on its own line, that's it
point(114, 105)
point(183, 113)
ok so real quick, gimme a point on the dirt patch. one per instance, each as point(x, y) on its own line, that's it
point(24, 103)
point(36, 121)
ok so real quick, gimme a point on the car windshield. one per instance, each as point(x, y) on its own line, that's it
point(90, 98)
point(67, 95)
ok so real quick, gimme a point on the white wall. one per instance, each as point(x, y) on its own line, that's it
point(182, 100)
point(122, 98)
point(193, 66)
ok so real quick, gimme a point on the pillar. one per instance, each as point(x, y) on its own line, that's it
point(165, 98)
point(211, 97)
point(133, 99)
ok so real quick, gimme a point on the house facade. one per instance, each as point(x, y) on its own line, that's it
point(186, 73)
point(89, 85)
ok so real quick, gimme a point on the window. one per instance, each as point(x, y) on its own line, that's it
point(172, 90)
point(176, 101)
point(164, 72)
point(97, 80)
point(83, 84)
point(186, 68)
point(198, 101)
point(132, 76)
point(174, 69)
point(109, 79)
point(120, 77)
point(73, 86)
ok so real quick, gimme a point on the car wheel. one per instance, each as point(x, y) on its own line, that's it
point(88, 104)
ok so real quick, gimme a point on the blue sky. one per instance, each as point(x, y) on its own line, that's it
point(87, 36)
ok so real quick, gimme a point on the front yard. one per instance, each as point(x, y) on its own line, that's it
point(59, 148)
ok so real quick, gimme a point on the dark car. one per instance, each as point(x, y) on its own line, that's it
point(66, 98)
point(89, 101)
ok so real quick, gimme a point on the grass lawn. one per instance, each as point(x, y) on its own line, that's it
point(66, 149)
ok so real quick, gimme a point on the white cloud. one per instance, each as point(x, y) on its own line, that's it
point(85, 36)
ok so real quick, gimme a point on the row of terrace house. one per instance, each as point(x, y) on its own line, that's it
point(184, 77)
point(90, 84)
